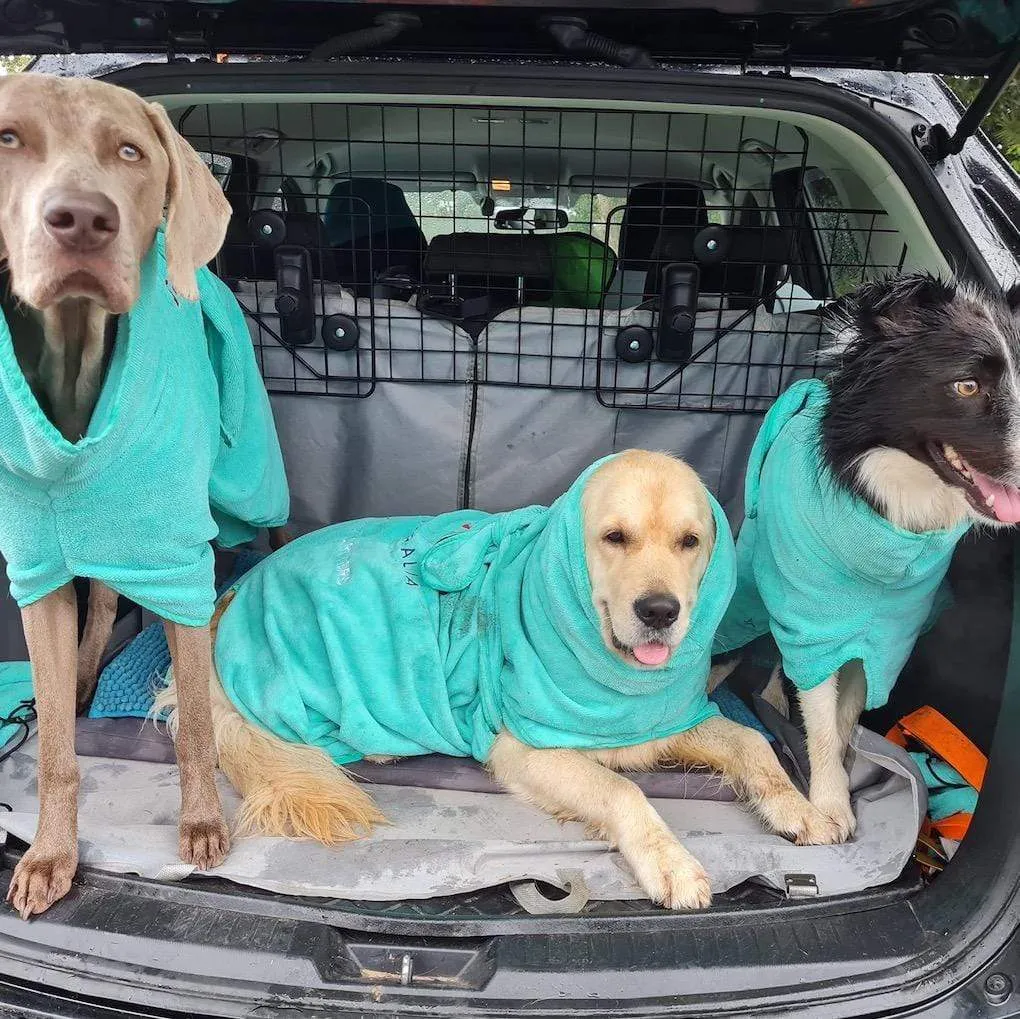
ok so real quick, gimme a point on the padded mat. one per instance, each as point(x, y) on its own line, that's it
point(455, 840)
point(128, 739)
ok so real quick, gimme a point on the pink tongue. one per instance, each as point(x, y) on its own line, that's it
point(652, 654)
point(1007, 498)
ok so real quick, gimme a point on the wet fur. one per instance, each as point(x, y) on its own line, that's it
point(902, 343)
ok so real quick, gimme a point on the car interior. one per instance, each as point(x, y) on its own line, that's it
point(461, 305)
point(459, 299)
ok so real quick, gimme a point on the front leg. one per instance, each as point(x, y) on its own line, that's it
point(204, 839)
point(747, 762)
point(102, 614)
point(567, 784)
point(826, 735)
point(44, 873)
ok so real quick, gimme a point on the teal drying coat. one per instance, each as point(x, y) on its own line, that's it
point(832, 579)
point(181, 450)
point(429, 635)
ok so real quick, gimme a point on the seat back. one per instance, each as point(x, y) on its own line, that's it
point(469, 278)
point(371, 231)
point(661, 219)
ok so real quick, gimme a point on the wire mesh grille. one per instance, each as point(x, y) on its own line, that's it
point(659, 260)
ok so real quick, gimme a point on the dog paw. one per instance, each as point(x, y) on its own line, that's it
point(204, 843)
point(840, 814)
point(790, 814)
point(40, 879)
point(808, 826)
point(669, 874)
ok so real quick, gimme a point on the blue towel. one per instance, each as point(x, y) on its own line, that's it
point(181, 450)
point(832, 579)
point(948, 791)
point(429, 635)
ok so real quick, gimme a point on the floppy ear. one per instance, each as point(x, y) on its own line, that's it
point(197, 209)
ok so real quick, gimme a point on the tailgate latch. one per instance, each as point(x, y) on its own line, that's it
point(801, 886)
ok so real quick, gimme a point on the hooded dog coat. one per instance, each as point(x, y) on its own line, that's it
point(832, 579)
point(429, 635)
point(181, 450)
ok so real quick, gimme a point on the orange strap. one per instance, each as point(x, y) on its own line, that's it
point(939, 736)
point(953, 827)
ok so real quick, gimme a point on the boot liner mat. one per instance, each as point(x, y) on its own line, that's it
point(452, 831)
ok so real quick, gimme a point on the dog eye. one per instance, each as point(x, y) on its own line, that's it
point(129, 153)
point(616, 538)
point(689, 541)
point(966, 387)
point(10, 140)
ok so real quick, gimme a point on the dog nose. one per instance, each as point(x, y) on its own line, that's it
point(657, 610)
point(81, 221)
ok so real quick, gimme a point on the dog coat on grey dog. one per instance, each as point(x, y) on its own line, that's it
point(181, 450)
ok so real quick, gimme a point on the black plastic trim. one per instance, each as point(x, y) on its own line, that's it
point(934, 36)
point(999, 77)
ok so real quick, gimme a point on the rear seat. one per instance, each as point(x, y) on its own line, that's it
point(744, 345)
point(749, 353)
point(651, 211)
point(372, 231)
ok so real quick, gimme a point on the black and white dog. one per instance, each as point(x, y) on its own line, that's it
point(924, 412)
point(922, 425)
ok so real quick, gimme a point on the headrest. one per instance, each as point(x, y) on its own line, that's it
point(652, 207)
point(371, 229)
point(303, 229)
point(490, 255)
point(361, 206)
point(667, 221)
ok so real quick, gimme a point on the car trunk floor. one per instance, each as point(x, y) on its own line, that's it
point(452, 832)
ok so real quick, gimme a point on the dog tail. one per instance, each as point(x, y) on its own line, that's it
point(288, 789)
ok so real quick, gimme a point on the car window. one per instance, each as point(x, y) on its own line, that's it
point(598, 215)
point(219, 165)
point(460, 211)
point(835, 232)
point(447, 212)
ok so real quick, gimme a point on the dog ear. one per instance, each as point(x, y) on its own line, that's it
point(883, 307)
point(197, 209)
point(910, 291)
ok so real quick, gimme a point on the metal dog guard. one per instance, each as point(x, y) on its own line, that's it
point(769, 238)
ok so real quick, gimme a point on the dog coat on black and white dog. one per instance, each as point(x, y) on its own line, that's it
point(859, 488)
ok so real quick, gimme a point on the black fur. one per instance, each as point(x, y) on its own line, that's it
point(910, 338)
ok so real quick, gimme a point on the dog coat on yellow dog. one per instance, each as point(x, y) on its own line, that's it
point(181, 450)
point(431, 634)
